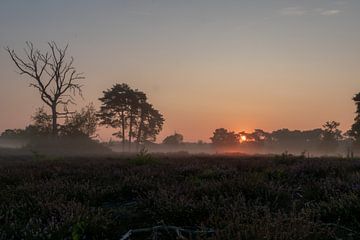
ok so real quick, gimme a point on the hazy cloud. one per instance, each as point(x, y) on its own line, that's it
point(330, 12)
point(299, 11)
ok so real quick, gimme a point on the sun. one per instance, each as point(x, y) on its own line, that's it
point(243, 138)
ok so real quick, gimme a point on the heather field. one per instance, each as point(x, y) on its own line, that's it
point(188, 197)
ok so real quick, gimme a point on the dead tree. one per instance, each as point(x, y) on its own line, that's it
point(52, 75)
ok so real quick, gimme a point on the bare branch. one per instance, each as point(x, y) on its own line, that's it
point(59, 84)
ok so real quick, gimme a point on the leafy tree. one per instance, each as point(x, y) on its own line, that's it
point(81, 123)
point(224, 138)
point(331, 136)
point(313, 136)
point(129, 111)
point(354, 132)
point(42, 123)
point(175, 139)
point(114, 109)
point(149, 123)
point(135, 100)
point(296, 140)
point(51, 74)
point(13, 133)
point(40, 126)
point(258, 137)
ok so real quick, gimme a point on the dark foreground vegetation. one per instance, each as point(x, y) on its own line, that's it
point(280, 197)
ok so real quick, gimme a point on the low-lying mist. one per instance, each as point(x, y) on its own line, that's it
point(13, 144)
point(80, 146)
point(343, 149)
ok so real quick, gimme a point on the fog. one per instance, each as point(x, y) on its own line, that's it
point(342, 150)
point(81, 146)
point(12, 144)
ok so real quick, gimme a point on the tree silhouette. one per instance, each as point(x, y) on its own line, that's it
point(128, 110)
point(258, 137)
point(40, 127)
point(150, 122)
point(113, 111)
point(52, 75)
point(224, 138)
point(354, 132)
point(42, 123)
point(13, 134)
point(81, 123)
point(331, 136)
point(174, 139)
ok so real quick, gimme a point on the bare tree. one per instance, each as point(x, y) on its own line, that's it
point(52, 75)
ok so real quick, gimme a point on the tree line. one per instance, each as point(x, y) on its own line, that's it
point(129, 112)
point(320, 140)
point(327, 139)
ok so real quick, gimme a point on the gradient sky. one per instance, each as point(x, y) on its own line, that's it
point(238, 64)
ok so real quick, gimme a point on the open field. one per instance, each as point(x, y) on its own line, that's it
point(280, 197)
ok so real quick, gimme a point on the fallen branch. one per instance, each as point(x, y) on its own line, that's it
point(177, 230)
point(341, 227)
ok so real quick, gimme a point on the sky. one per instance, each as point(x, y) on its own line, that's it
point(205, 64)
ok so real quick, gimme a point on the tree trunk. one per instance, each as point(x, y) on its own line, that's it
point(130, 131)
point(123, 130)
point(54, 120)
point(139, 135)
point(140, 130)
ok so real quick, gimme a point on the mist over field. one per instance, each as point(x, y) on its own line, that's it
point(11, 144)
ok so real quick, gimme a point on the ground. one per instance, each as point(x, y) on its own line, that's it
point(279, 197)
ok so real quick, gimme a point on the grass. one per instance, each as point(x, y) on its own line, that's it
point(281, 197)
